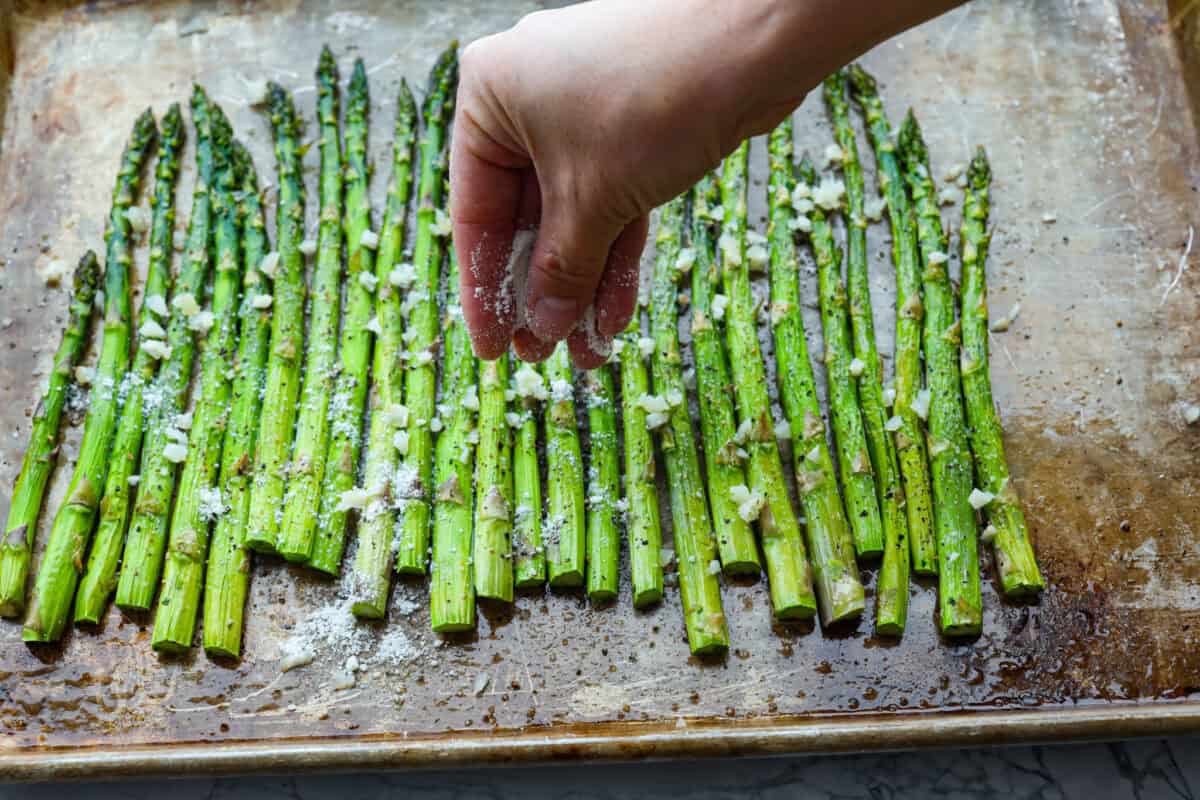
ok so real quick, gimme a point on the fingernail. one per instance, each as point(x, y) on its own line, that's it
point(554, 317)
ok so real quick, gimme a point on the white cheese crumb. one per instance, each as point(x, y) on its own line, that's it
point(920, 404)
point(757, 256)
point(156, 349)
point(84, 376)
point(731, 250)
point(937, 257)
point(269, 264)
point(685, 260)
point(441, 223)
point(175, 452)
point(53, 272)
point(307, 247)
point(157, 304)
point(212, 505)
point(369, 240)
point(176, 435)
point(749, 502)
point(139, 219)
point(356, 498)
point(203, 322)
point(186, 304)
point(403, 276)
point(368, 280)
point(151, 330)
point(893, 424)
point(979, 499)
point(828, 195)
point(262, 301)
point(294, 658)
point(857, 366)
point(646, 346)
point(719, 303)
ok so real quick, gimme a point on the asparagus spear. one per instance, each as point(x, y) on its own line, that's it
point(373, 558)
point(892, 584)
point(62, 560)
point(228, 575)
point(141, 562)
point(528, 552)
point(354, 352)
point(910, 444)
point(839, 589)
point(787, 565)
point(26, 503)
point(1019, 574)
point(287, 333)
point(695, 545)
point(420, 376)
point(958, 558)
point(452, 589)
point(199, 498)
point(604, 486)
point(100, 578)
point(643, 528)
point(718, 423)
point(494, 478)
point(563, 530)
point(307, 471)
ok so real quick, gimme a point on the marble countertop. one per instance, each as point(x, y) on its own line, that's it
point(1146, 770)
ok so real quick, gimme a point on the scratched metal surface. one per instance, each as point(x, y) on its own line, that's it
point(1084, 109)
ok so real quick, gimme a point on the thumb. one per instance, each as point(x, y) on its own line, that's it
point(568, 259)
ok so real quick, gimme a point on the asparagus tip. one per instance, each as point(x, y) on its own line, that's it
point(979, 174)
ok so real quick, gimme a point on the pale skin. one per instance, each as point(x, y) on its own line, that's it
point(577, 122)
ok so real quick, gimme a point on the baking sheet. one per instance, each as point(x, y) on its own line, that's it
point(1085, 110)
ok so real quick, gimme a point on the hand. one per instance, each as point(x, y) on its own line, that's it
point(574, 124)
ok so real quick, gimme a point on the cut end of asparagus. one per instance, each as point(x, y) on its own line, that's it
point(570, 579)
point(648, 597)
point(170, 647)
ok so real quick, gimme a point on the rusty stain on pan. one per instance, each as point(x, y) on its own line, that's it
point(1086, 113)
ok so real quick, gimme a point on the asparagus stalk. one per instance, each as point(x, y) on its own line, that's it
point(1019, 574)
point(452, 588)
point(62, 559)
point(199, 498)
point(695, 545)
point(910, 444)
point(528, 553)
point(563, 530)
point(141, 562)
point(287, 333)
point(100, 577)
point(494, 478)
point(604, 487)
point(373, 558)
point(227, 578)
point(420, 376)
point(892, 584)
point(961, 607)
point(787, 564)
point(302, 502)
point(839, 590)
point(26, 504)
point(643, 527)
point(718, 423)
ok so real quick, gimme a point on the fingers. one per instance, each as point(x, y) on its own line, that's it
point(616, 296)
point(486, 184)
point(588, 350)
point(530, 348)
point(570, 255)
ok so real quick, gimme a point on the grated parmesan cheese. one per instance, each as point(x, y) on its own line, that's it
point(529, 384)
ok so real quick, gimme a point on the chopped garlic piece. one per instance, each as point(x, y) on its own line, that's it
point(674, 398)
point(400, 442)
point(948, 196)
point(783, 430)
point(685, 260)
point(653, 404)
point(757, 256)
point(989, 534)
point(513, 419)
point(893, 424)
point(714, 567)
point(857, 366)
point(269, 264)
point(1191, 414)
point(186, 304)
point(184, 421)
point(151, 330)
point(175, 452)
point(368, 280)
point(937, 257)
point(1002, 324)
point(646, 346)
point(470, 400)
point(802, 224)
point(308, 247)
point(441, 223)
point(656, 420)
point(374, 327)
point(873, 209)
point(139, 219)
point(749, 502)
point(53, 272)
point(403, 276)
point(175, 435)
point(979, 499)
point(262, 301)
point(369, 240)
point(156, 349)
point(203, 322)
point(920, 404)
point(356, 498)
point(84, 376)
point(743, 431)
point(828, 195)
point(157, 304)
point(719, 303)
point(889, 396)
